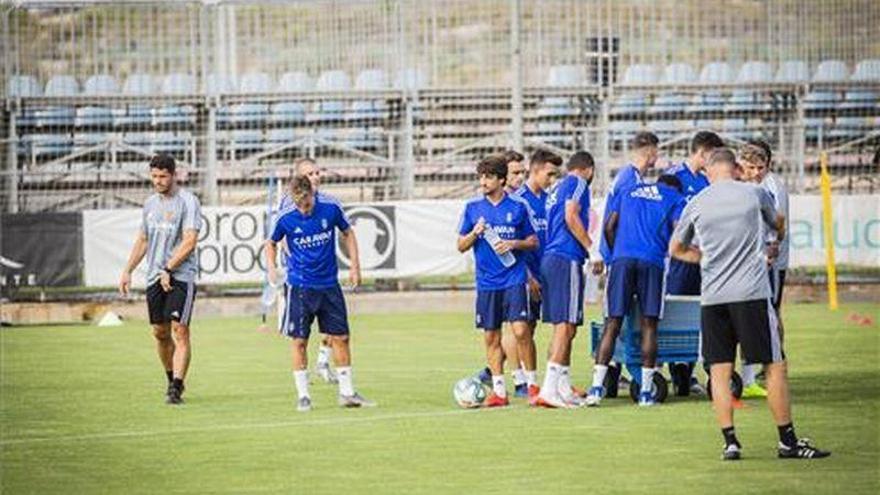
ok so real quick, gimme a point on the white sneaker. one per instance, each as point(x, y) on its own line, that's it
point(594, 397)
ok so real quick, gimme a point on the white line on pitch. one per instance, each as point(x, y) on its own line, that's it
point(326, 421)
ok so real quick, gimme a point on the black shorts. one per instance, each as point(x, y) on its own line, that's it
point(176, 305)
point(751, 324)
point(777, 282)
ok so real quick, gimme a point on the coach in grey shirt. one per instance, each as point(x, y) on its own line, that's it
point(168, 234)
point(728, 220)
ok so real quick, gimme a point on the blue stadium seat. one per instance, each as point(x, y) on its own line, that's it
point(176, 84)
point(712, 73)
point(866, 101)
point(673, 74)
point(183, 116)
point(58, 116)
point(136, 113)
point(410, 78)
point(248, 118)
point(59, 143)
point(333, 80)
point(218, 84)
point(366, 136)
point(744, 100)
point(828, 71)
point(559, 108)
point(291, 112)
point(792, 71)
point(93, 115)
point(23, 87)
point(631, 103)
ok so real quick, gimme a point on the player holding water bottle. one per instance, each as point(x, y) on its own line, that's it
point(496, 227)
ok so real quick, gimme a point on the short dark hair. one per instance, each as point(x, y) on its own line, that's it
point(543, 156)
point(580, 160)
point(513, 156)
point(644, 139)
point(670, 180)
point(163, 162)
point(723, 155)
point(760, 143)
point(706, 141)
point(493, 165)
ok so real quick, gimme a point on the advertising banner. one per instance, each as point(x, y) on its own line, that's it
point(417, 238)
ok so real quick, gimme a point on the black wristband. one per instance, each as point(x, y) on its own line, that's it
point(168, 271)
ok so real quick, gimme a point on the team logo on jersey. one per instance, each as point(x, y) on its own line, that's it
point(509, 217)
point(376, 233)
point(297, 230)
point(324, 223)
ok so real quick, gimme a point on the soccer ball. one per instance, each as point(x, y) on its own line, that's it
point(469, 392)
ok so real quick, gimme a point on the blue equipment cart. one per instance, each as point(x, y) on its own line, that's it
point(678, 343)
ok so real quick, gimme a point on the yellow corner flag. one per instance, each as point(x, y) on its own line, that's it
point(828, 229)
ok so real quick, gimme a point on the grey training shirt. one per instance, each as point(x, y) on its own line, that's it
point(164, 221)
point(728, 220)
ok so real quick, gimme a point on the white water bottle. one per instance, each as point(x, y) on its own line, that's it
point(492, 237)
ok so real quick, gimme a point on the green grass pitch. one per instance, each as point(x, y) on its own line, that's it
point(82, 412)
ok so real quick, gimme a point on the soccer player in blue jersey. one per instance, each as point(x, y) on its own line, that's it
point(640, 223)
point(683, 278)
point(543, 169)
point(309, 231)
point(644, 146)
point(568, 241)
point(498, 228)
point(307, 167)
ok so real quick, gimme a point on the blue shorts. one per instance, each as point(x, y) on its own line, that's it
point(628, 278)
point(563, 291)
point(494, 307)
point(683, 279)
point(304, 304)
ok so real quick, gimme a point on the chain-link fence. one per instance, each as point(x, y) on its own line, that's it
point(398, 98)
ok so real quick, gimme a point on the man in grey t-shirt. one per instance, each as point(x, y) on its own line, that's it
point(729, 220)
point(167, 237)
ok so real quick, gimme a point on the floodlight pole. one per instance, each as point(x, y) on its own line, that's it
point(516, 95)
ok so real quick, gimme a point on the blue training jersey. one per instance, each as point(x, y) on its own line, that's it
point(691, 183)
point(627, 177)
point(537, 210)
point(311, 242)
point(560, 240)
point(647, 217)
point(510, 219)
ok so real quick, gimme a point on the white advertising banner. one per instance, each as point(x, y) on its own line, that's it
point(412, 238)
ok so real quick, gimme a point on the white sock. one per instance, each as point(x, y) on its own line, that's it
point(323, 356)
point(498, 386)
point(748, 374)
point(565, 382)
point(647, 379)
point(599, 372)
point(531, 378)
point(519, 376)
point(551, 379)
point(301, 379)
point(346, 387)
